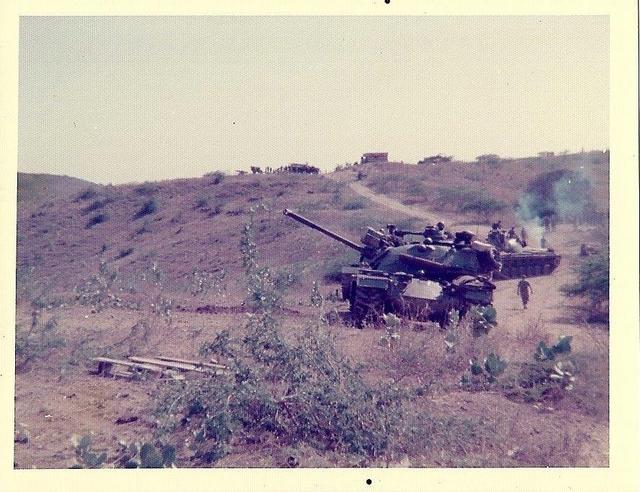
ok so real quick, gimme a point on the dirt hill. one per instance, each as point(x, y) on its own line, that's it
point(189, 224)
point(191, 228)
point(38, 188)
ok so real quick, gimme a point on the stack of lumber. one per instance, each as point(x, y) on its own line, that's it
point(161, 366)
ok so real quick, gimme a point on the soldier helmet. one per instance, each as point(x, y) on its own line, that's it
point(523, 276)
point(440, 225)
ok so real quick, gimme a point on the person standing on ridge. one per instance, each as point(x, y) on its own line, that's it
point(524, 288)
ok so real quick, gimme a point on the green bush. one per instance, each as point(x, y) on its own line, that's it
point(146, 189)
point(392, 183)
point(298, 391)
point(96, 205)
point(215, 177)
point(87, 194)
point(356, 204)
point(469, 201)
point(149, 207)
point(593, 278)
point(97, 219)
point(483, 206)
point(123, 253)
point(547, 378)
point(134, 455)
point(201, 202)
point(38, 341)
point(593, 284)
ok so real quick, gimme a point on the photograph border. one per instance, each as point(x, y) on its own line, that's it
point(622, 473)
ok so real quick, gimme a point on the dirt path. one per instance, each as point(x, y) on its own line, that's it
point(385, 201)
point(429, 216)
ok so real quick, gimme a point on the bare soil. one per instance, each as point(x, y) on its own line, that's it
point(56, 397)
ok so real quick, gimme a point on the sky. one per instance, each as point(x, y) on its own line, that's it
point(123, 99)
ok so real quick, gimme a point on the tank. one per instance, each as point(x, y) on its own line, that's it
point(424, 280)
point(518, 259)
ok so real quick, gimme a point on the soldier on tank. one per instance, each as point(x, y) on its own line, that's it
point(443, 232)
point(524, 288)
point(394, 236)
point(432, 232)
point(523, 236)
point(543, 242)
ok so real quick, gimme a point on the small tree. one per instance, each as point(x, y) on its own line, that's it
point(592, 284)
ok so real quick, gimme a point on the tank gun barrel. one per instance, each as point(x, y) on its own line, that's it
point(324, 231)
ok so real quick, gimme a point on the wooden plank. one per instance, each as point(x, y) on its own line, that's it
point(164, 363)
point(135, 365)
point(213, 364)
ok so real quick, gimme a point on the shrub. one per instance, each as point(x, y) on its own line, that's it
point(38, 341)
point(563, 193)
point(216, 177)
point(98, 204)
point(300, 391)
point(483, 206)
point(123, 253)
point(592, 283)
point(87, 194)
point(134, 455)
point(548, 378)
point(146, 189)
point(97, 219)
point(149, 207)
point(391, 183)
point(201, 202)
point(355, 204)
point(146, 227)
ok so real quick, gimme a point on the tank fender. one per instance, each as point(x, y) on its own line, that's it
point(373, 282)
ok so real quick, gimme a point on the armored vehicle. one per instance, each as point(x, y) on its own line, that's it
point(519, 259)
point(422, 279)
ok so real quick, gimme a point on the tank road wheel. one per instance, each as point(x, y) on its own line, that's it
point(367, 306)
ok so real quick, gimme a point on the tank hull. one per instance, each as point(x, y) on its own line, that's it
point(515, 265)
point(372, 293)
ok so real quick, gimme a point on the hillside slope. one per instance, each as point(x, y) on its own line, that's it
point(456, 187)
point(189, 224)
point(37, 188)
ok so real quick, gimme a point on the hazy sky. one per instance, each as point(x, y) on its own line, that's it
point(117, 99)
